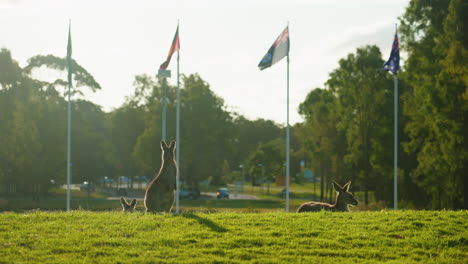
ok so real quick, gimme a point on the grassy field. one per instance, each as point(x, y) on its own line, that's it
point(115, 237)
point(192, 206)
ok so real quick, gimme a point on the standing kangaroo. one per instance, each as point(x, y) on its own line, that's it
point(160, 194)
point(343, 200)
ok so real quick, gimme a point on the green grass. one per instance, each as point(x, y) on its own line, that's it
point(101, 204)
point(246, 206)
point(324, 237)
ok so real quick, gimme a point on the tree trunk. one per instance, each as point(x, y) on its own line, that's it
point(322, 178)
point(439, 190)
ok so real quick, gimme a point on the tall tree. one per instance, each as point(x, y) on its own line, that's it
point(266, 161)
point(434, 34)
point(323, 139)
point(248, 134)
point(32, 123)
point(206, 129)
point(126, 125)
point(364, 100)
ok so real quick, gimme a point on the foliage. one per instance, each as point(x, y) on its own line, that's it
point(126, 125)
point(434, 33)
point(324, 237)
point(205, 134)
point(33, 128)
point(349, 124)
point(266, 161)
point(347, 133)
point(322, 138)
point(81, 77)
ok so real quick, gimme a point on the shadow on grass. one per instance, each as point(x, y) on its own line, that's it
point(206, 222)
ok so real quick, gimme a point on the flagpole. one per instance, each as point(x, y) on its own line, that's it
point(69, 129)
point(287, 133)
point(164, 84)
point(395, 145)
point(178, 132)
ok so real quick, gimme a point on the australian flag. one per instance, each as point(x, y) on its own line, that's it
point(277, 51)
point(393, 63)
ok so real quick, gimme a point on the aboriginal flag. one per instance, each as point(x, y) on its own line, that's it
point(174, 47)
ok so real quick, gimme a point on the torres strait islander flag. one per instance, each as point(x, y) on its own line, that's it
point(174, 47)
point(277, 51)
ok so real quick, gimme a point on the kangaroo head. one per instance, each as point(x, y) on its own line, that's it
point(344, 196)
point(168, 151)
point(128, 207)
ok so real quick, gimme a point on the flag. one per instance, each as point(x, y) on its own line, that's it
point(69, 58)
point(393, 63)
point(174, 47)
point(277, 51)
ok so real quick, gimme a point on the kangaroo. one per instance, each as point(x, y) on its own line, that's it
point(128, 207)
point(160, 194)
point(343, 200)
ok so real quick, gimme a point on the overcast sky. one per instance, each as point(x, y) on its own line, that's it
point(221, 40)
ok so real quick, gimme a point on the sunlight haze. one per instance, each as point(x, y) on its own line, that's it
point(222, 41)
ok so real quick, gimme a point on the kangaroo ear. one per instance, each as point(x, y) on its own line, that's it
point(346, 186)
point(337, 187)
point(163, 145)
point(123, 202)
point(133, 203)
point(172, 145)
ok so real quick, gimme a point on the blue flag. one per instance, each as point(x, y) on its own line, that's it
point(393, 63)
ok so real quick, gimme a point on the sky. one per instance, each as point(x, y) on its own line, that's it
point(221, 40)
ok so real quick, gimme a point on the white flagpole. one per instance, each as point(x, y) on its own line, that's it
point(395, 151)
point(287, 132)
point(69, 138)
point(395, 143)
point(163, 133)
point(178, 132)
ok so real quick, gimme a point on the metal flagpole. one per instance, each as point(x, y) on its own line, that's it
point(69, 129)
point(164, 84)
point(178, 132)
point(395, 151)
point(287, 136)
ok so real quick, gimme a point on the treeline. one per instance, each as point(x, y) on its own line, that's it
point(217, 146)
point(347, 133)
point(348, 128)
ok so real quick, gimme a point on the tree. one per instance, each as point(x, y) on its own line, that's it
point(322, 138)
point(126, 125)
point(206, 129)
point(266, 161)
point(91, 145)
point(18, 126)
point(148, 97)
point(33, 125)
point(364, 103)
point(81, 77)
point(434, 34)
point(248, 134)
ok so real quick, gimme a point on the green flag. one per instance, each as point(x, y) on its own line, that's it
point(69, 58)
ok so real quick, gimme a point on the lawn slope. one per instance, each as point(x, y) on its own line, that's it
point(114, 237)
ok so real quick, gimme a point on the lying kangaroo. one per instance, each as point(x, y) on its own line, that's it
point(128, 207)
point(343, 199)
point(160, 194)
